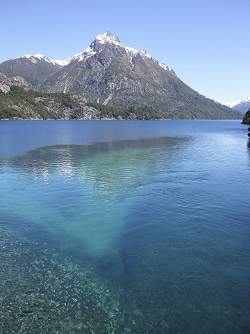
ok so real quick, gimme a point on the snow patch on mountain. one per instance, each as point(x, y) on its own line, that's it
point(84, 55)
point(38, 56)
point(165, 67)
point(34, 58)
point(108, 37)
point(61, 62)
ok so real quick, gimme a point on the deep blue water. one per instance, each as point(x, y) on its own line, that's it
point(156, 211)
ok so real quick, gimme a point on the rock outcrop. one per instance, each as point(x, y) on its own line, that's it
point(246, 118)
point(7, 82)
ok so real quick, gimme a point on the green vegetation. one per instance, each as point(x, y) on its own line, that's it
point(28, 104)
point(19, 103)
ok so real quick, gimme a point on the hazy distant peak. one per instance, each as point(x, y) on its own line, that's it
point(240, 105)
point(235, 103)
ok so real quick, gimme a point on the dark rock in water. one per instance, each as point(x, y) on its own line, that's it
point(246, 118)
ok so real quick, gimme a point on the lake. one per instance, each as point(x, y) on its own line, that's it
point(124, 227)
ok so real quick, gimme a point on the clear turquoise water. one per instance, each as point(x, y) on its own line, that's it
point(157, 211)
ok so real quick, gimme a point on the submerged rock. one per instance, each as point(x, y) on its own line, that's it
point(42, 291)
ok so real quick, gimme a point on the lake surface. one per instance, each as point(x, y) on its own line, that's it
point(124, 227)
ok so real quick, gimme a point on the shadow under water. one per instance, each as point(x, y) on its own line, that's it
point(79, 194)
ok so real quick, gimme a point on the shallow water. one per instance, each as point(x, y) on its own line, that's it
point(124, 227)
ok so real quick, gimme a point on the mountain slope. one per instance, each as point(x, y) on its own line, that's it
point(21, 103)
point(115, 75)
point(18, 101)
point(33, 68)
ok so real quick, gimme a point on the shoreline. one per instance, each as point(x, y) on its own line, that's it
point(114, 119)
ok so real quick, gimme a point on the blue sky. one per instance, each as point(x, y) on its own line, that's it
point(206, 42)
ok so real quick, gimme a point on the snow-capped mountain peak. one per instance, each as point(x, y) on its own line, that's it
point(108, 37)
point(113, 74)
point(98, 44)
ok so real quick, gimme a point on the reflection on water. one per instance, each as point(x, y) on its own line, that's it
point(139, 236)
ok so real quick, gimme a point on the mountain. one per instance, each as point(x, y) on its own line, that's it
point(33, 68)
point(241, 106)
point(111, 74)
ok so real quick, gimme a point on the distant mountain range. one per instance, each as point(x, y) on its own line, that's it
point(111, 74)
point(241, 106)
